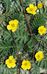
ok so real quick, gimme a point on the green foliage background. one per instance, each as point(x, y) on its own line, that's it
point(25, 42)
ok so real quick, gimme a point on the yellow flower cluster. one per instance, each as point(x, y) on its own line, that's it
point(32, 9)
point(11, 63)
point(42, 30)
point(26, 64)
point(13, 25)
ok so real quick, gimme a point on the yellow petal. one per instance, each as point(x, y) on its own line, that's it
point(33, 12)
point(6, 62)
point(8, 66)
point(13, 30)
point(16, 21)
point(9, 27)
point(35, 8)
point(11, 22)
point(23, 67)
point(31, 6)
point(14, 65)
point(28, 9)
point(10, 57)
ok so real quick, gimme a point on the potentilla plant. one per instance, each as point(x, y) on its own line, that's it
point(23, 36)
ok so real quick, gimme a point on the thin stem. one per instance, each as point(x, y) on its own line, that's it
point(36, 2)
point(18, 71)
point(18, 63)
point(13, 40)
point(20, 2)
point(28, 22)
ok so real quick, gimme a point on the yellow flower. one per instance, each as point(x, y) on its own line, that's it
point(26, 65)
point(13, 25)
point(42, 30)
point(31, 9)
point(40, 5)
point(10, 62)
point(39, 55)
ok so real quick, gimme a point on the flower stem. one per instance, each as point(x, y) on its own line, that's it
point(36, 2)
point(28, 22)
point(18, 71)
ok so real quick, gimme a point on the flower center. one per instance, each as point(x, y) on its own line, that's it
point(32, 9)
point(25, 64)
point(41, 30)
point(38, 56)
point(13, 25)
point(10, 61)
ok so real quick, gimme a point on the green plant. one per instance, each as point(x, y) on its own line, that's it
point(26, 41)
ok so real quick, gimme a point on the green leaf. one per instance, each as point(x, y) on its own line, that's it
point(7, 4)
point(35, 69)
